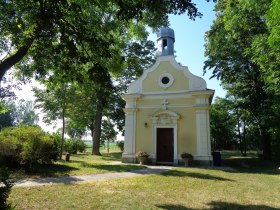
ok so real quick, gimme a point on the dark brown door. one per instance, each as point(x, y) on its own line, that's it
point(165, 145)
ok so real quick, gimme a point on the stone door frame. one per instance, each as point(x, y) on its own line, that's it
point(165, 119)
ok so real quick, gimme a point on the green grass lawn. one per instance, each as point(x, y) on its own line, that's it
point(182, 188)
point(250, 186)
point(80, 164)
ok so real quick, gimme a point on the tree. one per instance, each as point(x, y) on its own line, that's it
point(21, 113)
point(108, 133)
point(230, 56)
point(91, 99)
point(54, 101)
point(25, 113)
point(74, 130)
point(34, 31)
point(7, 119)
point(88, 45)
point(138, 56)
point(222, 124)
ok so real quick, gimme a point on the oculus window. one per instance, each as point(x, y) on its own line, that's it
point(165, 80)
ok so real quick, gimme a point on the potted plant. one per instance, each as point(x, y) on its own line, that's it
point(187, 157)
point(142, 157)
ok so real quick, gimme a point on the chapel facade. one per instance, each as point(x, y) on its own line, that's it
point(167, 111)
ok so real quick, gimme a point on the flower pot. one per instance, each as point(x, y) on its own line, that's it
point(187, 161)
point(142, 159)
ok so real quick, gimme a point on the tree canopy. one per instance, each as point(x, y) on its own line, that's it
point(34, 32)
point(239, 54)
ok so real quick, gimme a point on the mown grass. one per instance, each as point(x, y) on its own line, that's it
point(83, 163)
point(249, 164)
point(180, 188)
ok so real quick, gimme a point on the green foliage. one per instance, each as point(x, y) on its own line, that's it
point(10, 147)
point(238, 53)
point(74, 145)
point(6, 185)
point(27, 145)
point(272, 17)
point(108, 132)
point(22, 112)
point(54, 101)
point(142, 154)
point(25, 113)
point(74, 129)
point(7, 116)
point(185, 155)
point(34, 34)
point(3, 108)
point(222, 125)
point(120, 144)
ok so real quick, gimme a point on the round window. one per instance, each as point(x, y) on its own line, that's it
point(165, 80)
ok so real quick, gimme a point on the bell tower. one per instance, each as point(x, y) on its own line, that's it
point(165, 41)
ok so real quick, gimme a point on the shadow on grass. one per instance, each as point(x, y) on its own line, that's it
point(194, 175)
point(113, 168)
point(114, 156)
point(225, 205)
point(53, 170)
point(173, 207)
point(251, 165)
point(219, 205)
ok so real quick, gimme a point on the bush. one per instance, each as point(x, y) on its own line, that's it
point(185, 155)
point(10, 148)
point(74, 145)
point(120, 144)
point(142, 154)
point(27, 145)
point(5, 188)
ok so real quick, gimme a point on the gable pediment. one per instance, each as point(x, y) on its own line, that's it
point(167, 76)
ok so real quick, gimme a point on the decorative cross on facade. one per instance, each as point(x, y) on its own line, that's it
point(164, 104)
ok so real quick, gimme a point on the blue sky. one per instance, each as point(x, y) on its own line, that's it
point(189, 42)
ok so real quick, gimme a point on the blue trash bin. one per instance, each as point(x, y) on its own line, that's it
point(217, 159)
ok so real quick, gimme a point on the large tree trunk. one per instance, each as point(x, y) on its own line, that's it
point(97, 129)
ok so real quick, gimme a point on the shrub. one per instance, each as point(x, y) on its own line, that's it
point(10, 148)
point(74, 145)
point(28, 145)
point(185, 155)
point(39, 150)
point(5, 188)
point(142, 154)
point(120, 144)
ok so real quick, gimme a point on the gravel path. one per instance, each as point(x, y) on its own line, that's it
point(83, 178)
point(106, 176)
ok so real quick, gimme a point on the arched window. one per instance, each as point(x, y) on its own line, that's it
point(164, 44)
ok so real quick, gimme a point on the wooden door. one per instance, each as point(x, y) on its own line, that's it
point(165, 144)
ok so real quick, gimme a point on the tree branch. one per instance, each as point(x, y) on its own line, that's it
point(9, 62)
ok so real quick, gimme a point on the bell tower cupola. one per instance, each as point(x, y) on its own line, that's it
point(165, 41)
